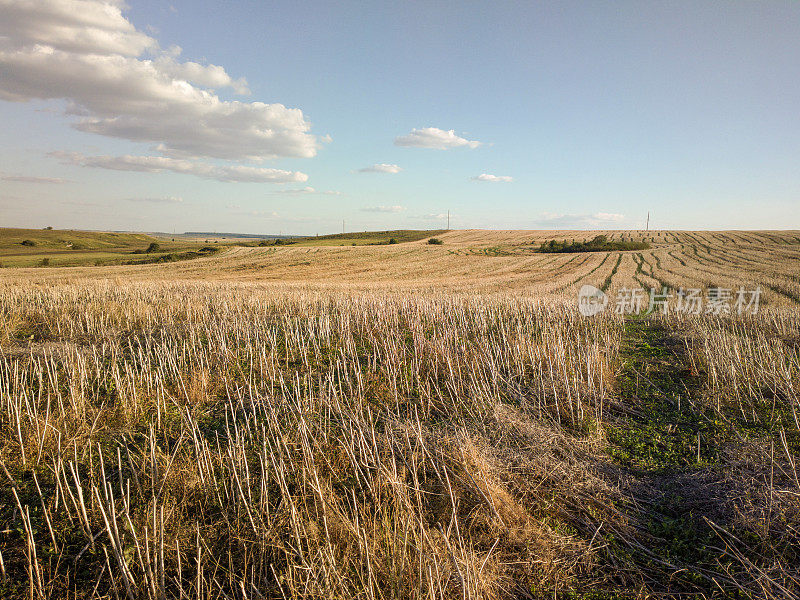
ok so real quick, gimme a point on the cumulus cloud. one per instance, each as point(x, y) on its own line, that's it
point(431, 217)
point(158, 164)
point(431, 137)
point(384, 209)
point(118, 82)
point(493, 178)
point(32, 179)
point(81, 26)
point(597, 220)
point(162, 200)
point(603, 216)
point(209, 76)
point(381, 168)
point(307, 190)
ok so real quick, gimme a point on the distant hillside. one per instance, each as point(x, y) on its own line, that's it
point(362, 238)
point(218, 234)
point(69, 239)
point(66, 247)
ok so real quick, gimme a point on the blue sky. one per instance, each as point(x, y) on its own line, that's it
point(577, 115)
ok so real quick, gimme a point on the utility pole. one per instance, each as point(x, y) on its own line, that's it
point(448, 220)
point(647, 227)
point(342, 225)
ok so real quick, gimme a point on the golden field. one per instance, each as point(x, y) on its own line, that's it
point(403, 421)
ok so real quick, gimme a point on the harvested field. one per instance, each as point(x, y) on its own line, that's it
point(402, 421)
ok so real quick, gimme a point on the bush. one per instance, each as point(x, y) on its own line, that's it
point(48, 228)
point(598, 243)
point(153, 247)
point(435, 242)
point(28, 243)
point(392, 240)
point(45, 262)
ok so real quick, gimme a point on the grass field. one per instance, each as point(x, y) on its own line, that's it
point(403, 421)
point(59, 248)
point(366, 238)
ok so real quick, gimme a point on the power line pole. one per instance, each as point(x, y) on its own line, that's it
point(342, 225)
point(448, 220)
point(647, 227)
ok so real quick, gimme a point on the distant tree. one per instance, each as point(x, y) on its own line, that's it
point(435, 242)
point(48, 228)
point(392, 240)
point(153, 247)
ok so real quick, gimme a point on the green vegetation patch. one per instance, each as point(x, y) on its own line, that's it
point(62, 248)
point(665, 430)
point(599, 243)
point(370, 238)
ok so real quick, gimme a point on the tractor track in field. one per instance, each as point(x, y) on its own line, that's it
point(670, 453)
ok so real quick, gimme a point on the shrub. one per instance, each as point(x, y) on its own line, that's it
point(48, 228)
point(153, 247)
point(45, 262)
point(599, 243)
point(28, 243)
point(435, 242)
point(392, 240)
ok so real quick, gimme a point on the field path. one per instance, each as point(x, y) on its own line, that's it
point(671, 453)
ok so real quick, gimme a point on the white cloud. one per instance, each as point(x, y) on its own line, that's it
point(32, 179)
point(163, 200)
point(597, 220)
point(603, 216)
point(431, 137)
point(384, 209)
point(493, 178)
point(381, 168)
point(307, 190)
point(88, 53)
point(158, 164)
point(431, 217)
point(82, 26)
point(209, 76)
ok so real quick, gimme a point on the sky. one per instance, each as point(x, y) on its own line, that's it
point(303, 117)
